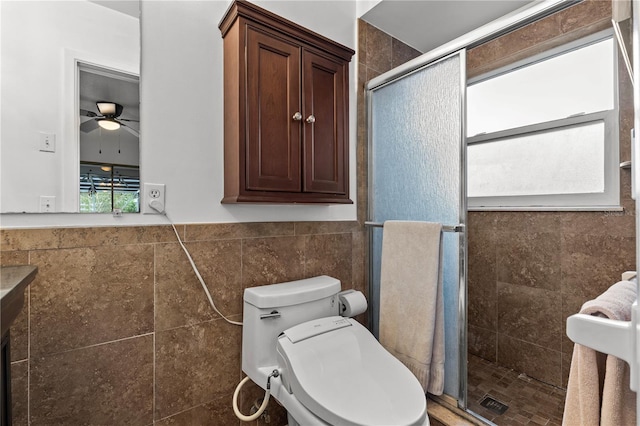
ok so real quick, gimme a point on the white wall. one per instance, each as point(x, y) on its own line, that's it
point(39, 40)
point(182, 114)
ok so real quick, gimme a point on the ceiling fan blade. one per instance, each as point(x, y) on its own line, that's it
point(89, 126)
point(128, 119)
point(87, 113)
point(130, 130)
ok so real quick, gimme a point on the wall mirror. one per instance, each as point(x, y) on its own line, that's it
point(70, 106)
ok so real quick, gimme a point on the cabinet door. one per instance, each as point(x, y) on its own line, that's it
point(273, 97)
point(325, 127)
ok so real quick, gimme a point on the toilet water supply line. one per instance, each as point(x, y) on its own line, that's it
point(265, 401)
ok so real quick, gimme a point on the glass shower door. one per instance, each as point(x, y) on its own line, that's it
point(416, 172)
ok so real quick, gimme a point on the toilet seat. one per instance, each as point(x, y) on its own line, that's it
point(338, 370)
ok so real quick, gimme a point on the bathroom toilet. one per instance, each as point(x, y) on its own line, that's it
point(332, 371)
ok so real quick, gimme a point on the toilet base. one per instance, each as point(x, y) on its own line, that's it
point(297, 414)
point(291, 421)
point(301, 413)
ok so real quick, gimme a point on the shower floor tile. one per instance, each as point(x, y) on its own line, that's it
point(530, 401)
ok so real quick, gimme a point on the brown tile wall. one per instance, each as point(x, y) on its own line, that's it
point(117, 329)
point(528, 271)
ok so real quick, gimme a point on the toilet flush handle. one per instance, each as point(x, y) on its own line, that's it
point(273, 314)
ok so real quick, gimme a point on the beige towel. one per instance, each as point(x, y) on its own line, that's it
point(598, 392)
point(411, 305)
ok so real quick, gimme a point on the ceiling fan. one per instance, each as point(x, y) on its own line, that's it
point(108, 118)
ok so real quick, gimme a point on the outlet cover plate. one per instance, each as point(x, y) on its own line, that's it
point(153, 192)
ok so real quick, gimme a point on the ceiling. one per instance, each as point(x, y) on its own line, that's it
point(99, 85)
point(128, 7)
point(422, 24)
point(427, 24)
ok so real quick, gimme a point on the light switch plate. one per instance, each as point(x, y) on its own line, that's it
point(47, 142)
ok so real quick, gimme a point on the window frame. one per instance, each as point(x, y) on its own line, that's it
point(609, 200)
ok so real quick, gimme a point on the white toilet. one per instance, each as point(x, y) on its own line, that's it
point(332, 370)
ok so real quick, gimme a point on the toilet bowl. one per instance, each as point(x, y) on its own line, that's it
point(332, 371)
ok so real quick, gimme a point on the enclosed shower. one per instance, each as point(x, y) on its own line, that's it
point(510, 276)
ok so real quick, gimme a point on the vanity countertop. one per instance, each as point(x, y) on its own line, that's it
point(13, 281)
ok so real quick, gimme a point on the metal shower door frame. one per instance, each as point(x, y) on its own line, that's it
point(461, 226)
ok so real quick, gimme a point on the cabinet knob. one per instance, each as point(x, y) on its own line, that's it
point(297, 116)
point(311, 119)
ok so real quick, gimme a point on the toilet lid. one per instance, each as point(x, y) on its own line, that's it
point(339, 371)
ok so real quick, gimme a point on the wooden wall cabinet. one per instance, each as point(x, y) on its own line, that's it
point(286, 107)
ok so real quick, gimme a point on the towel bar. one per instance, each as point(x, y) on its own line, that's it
point(617, 338)
point(445, 228)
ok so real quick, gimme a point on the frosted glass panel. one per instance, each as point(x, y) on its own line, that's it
point(416, 125)
point(568, 160)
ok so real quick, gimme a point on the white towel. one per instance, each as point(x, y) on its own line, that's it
point(411, 305)
point(598, 392)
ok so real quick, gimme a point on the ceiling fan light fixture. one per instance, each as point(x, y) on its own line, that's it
point(108, 124)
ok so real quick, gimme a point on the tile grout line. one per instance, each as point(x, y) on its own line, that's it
point(242, 297)
point(29, 348)
point(304, 255)
point(95, 345)
point(153, 381)
point(199, 323)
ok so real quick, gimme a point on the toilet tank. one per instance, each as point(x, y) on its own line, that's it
point(271, 309)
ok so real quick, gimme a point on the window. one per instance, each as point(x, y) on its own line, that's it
point(104, 187)
point(543, 134)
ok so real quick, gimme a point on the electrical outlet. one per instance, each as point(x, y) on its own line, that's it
point(47, 142)
point(154, 198)
point(47, 203)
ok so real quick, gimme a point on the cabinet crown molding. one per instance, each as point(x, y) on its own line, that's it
point(247, 10)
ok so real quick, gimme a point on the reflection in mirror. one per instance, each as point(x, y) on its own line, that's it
point(109, 135)
point(44, 46)
point(105, 187)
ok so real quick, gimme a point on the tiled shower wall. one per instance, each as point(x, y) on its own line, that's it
point(528, 271)
point(117, 329)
